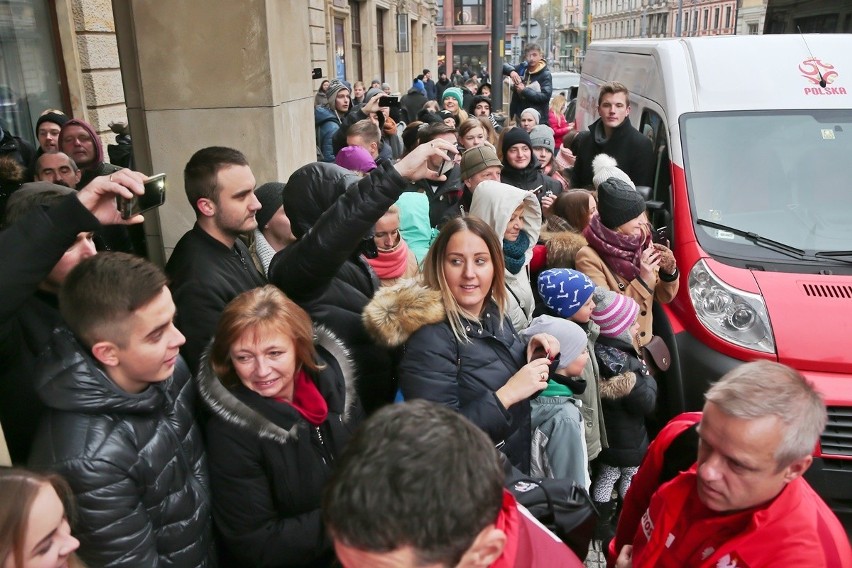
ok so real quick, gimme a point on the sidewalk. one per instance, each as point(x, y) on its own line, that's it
point(595, 558)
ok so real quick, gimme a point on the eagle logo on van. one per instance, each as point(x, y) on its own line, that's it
point(821, 75)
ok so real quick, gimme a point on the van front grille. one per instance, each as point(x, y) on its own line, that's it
point(837, 438)
point(842, 292)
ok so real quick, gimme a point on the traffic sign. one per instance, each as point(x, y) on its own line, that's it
point(535, 30)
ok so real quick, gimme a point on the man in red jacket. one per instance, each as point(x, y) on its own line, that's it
point(421, 487)
point(745, 503)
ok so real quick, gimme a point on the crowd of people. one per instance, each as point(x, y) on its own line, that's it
point(332, 370)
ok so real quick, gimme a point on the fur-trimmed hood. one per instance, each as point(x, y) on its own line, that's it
point(222, 402)
point(618, 386)
point(562, 248)
point(396, 312)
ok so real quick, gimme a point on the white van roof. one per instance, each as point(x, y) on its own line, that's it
point(731, 72)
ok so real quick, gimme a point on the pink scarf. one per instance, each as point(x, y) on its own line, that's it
point(619, 251)
point(391, 263)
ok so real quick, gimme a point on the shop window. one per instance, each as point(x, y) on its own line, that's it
point(30, 78)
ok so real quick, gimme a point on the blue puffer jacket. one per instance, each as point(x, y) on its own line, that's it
point(326, 124)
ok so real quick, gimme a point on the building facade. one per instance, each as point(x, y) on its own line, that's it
point(808, 16)
point(464, 33)
point(615, 19)
point(750, 17)
point(200, 73)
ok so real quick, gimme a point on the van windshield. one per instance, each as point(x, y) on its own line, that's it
point(783, 175)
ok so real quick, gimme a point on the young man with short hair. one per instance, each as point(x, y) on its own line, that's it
point(120, 426)
point(612, 133)
point(532, 84)
point(210, 265)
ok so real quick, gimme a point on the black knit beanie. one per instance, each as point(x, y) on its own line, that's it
point(514, 136)
point(618, 203)
point(53, 117)
point(270, 197)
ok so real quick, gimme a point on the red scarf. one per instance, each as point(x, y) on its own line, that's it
point(391, 263)
point(620, 252)
point(307, 399)
point(508, 521)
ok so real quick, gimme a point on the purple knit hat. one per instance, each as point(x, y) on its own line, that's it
point(96, 140)
point(355, 158)
point(614, 313)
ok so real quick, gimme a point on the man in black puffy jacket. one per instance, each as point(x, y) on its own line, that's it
point(331, 213)
point(120, 426)
point(48, 230)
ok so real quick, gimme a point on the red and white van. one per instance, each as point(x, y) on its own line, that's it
point(753, 144)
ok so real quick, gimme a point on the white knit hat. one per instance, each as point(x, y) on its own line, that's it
point(604, 167)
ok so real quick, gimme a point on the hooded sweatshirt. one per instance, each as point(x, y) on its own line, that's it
point(494, 202)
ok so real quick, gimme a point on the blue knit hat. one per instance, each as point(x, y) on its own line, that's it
point(418, 84)
point(564, 291)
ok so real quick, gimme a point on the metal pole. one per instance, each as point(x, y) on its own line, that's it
point(529, 20)
point(498, 36)
point(679, 18)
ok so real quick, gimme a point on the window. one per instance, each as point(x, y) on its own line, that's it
point(752, 29)
point(659, 205)
point(716, 19)
point(339, 50)
point(402, 39)
point(727, 17)
point(706, 20)
point(510, 12)
point(358, 64)
point(469, 12)
point(29, 76)
point(439, 20)
point(380, 40)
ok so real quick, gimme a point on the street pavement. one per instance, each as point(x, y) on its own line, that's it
point(595, 558)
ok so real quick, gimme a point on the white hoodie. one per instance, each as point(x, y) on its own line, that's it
point(494, 203)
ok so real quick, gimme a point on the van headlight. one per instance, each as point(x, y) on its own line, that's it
point(734, 315)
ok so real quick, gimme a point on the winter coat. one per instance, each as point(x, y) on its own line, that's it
point(17, 148)
point(31, 248)
point(594, 421)
point(331, 211)
point(268, 465)
point(539, 99)
point(633, 151)
point(560, 127)
point(411, 104)
point(326, 124)
point(440, 87)
point(431, 90)
point(443, 197)
point(494, 203)
point(629, 394)
point(530, 178)
point(463, 375)
point(135, 462)
point(562, 246)
point(204, 276)
point(589, 262)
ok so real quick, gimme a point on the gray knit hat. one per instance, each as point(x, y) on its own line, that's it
point(618, 203)
point(572, 339)
point(334, 87)
point(534, 113)
point(604, 167)
point(542, 137)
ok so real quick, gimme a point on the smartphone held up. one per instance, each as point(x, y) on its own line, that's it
point(153, 197)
